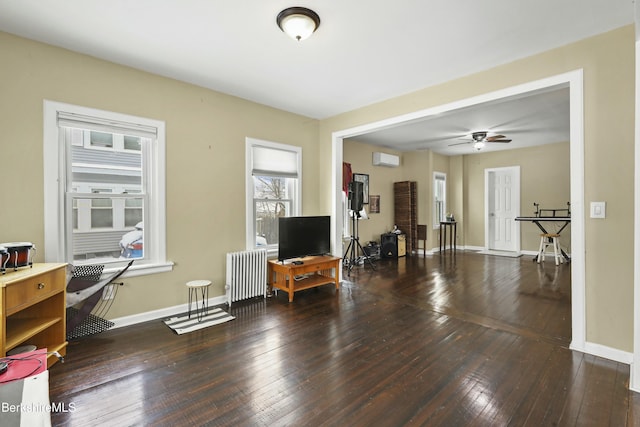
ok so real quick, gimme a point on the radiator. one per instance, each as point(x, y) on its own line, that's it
point(246, 275)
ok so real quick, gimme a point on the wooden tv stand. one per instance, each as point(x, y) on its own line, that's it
point(319, 270)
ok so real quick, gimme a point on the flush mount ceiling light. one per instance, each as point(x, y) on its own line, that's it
point(298, 22)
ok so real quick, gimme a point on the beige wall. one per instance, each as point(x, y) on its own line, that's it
point(205, 158)
point(544, 179)
point(205, 139)
point(381, 181)
point(608, 62)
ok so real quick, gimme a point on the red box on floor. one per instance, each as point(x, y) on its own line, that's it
point(24, 365)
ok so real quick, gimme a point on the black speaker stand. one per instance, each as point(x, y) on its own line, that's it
point(350, 257)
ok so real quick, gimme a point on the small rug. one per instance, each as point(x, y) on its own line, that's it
point(182, 324)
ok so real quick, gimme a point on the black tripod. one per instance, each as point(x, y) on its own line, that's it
point(354, 244)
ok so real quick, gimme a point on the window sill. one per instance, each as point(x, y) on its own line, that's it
point(144, 269)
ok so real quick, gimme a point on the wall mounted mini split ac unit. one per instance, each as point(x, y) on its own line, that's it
point(384, 159)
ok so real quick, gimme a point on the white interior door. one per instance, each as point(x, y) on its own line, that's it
point(502, 194)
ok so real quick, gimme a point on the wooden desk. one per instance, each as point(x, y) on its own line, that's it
point(33, 309)
point(319, 270)
point(453, 230)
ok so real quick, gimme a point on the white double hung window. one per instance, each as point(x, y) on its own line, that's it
point(104, 188)
point(273, 189)
point(439, 198)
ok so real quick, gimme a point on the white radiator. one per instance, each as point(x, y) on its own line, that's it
point(246, 275)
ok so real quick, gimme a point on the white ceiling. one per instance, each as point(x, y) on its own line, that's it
point(364, 51)
point(529, 119)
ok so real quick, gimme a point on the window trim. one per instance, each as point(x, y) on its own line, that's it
point(296, 205)
point(54, 151)
point(439, 176)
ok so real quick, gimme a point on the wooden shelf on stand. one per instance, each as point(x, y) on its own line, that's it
point(317, 271)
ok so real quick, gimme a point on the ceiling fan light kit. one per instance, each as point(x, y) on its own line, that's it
point(298, 22)
point(479, 136)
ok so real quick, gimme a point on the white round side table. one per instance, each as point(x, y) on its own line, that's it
point(203, 286)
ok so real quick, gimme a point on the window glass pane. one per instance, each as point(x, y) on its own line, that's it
point(132, 209)
point(101, 203)
point(132, 143)
point(271, 196)
point(75, 216)
point(116, 169)
point(267, 214)
point(101, 218)
point(439, 198)
point(131, 243)
point(270, 187)
point(132, 217)
point(101, 212)
point(101, 139)
point(93, 236)
point(133, 212)
point(106, 228)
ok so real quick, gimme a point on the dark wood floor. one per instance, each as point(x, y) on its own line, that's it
point(459, 340)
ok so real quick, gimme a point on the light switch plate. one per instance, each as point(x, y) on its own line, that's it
point(598, 209)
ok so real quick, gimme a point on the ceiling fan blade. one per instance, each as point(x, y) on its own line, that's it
point(459, 143)
point(500, 140)
point(494, 138)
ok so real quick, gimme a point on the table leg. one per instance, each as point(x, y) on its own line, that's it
point(203, 309)
point(290, 290)
point(540, 227)
point(453, 237)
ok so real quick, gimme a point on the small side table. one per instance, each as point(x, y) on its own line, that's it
point(203, 286)
point(452, 227)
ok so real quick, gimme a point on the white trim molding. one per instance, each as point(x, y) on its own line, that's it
point(634, 380)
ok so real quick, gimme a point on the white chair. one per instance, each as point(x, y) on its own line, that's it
point(546, 240)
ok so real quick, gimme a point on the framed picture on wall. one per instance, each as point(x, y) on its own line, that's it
point(374, 204)
point(364, 179)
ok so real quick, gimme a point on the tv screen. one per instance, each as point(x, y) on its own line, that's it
point(300, 236)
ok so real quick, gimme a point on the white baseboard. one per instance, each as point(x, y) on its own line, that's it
point(162, 313)
point(605, 352)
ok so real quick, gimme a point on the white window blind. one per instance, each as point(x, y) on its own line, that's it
point(267, 161)
point(79, 121)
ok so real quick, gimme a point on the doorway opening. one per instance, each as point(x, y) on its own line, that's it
point(574, 81)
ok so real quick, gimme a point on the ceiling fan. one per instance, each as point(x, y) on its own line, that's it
point(479, 139)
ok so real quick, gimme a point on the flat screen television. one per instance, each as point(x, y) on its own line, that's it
point(300, 236)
